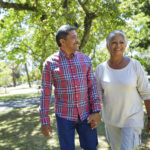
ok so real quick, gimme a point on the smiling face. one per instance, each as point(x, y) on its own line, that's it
point(71, 43)
point(117, 45)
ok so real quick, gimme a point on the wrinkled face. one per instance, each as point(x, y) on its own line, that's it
point(117, 45)
point(71, 42)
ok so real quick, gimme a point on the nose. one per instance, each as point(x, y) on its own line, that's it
point(118, 44)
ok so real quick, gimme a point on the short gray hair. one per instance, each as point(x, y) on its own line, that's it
point(113, 34)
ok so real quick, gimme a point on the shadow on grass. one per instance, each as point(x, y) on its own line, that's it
point(20, 130)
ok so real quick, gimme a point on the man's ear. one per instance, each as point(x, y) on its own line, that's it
point(62, 41)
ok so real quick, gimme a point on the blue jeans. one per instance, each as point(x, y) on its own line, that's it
point(66, 134)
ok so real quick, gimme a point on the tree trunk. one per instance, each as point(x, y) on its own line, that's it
point(87, 24)
point(28, 77)
point(14, 78)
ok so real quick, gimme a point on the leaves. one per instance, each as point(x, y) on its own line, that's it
point(31, 34)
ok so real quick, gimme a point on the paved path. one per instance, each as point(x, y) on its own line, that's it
point(12, 104)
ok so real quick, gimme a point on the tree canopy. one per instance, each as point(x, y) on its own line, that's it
point(28, 28)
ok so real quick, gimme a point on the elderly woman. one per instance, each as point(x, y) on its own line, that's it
point(122, 85)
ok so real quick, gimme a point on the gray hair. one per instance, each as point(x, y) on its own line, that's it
point(113, 34)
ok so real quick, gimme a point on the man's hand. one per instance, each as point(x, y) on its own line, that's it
point(46, 130)
point(94, 119)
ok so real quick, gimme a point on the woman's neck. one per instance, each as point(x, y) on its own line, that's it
point(118, 63)
point(116, 60)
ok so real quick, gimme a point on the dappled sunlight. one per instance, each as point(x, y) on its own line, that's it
point(21, 89)
point(103, 143)
point(77, 140)
point(53, 141)
point(36, 130)
point(20, 129)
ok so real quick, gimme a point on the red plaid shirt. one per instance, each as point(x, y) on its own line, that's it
point(75, 87)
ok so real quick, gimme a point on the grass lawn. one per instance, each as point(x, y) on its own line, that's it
point(20, 130)
point(18, 96)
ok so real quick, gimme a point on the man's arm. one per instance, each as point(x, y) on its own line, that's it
point(147, 105)
point(92, 91)
point(45, 100)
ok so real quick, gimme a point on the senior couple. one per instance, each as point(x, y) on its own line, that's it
point(119, 82)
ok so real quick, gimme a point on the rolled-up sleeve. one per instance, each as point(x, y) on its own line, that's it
point(46, 88)
point(92, 91)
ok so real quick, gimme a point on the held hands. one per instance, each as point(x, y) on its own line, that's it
point(93, 120)
point(46, 130)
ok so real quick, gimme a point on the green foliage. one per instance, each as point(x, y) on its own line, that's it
point(26, 33)
point(34, 76)
point(31, 34)
point(101, 55)
point(145, 61)
point(137, 15)
point(5, 74)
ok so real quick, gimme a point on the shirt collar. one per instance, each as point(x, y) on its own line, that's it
point(63, 53)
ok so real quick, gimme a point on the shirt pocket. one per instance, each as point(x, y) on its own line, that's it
point(57, 73)
point(62, 78)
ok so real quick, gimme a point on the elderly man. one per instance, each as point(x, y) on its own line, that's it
point(77, 104)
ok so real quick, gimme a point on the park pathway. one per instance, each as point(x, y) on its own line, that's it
point(13, 104)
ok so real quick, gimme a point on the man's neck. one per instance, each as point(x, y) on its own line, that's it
point(67, 52)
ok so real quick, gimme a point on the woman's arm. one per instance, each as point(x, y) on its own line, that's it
point(147, 105)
